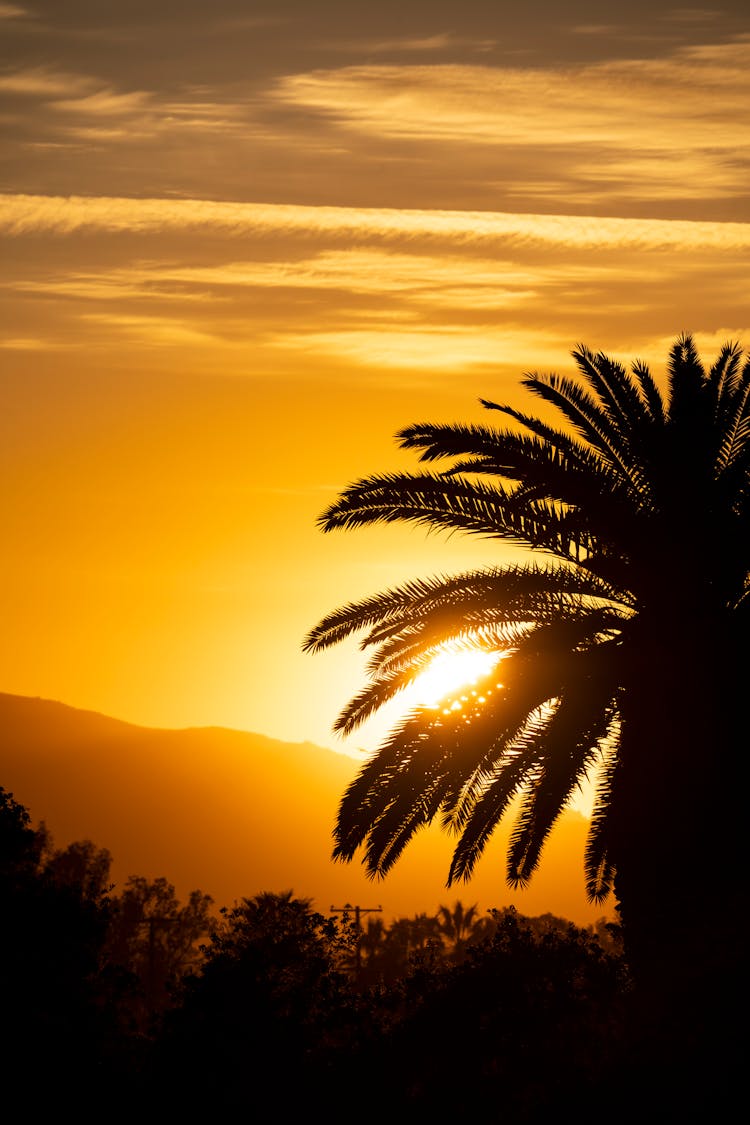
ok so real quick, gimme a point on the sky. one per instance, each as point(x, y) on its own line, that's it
point(242, 244)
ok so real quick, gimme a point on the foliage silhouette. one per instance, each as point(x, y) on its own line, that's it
point(460, 926)
point(269, 999)
point(526, 1021)
point(155, 939)
point(81, 864)
point(532, 1022)
point(622, 637)
point(270, 1020)
point(59, 1007)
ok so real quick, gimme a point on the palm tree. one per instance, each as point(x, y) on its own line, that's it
point(460, 925)
point(621, 640)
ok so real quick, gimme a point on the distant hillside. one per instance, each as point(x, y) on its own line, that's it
point(233, 813)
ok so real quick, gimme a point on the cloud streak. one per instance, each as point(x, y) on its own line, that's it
point(634, 102)
point(66, 215)
point(42, 82)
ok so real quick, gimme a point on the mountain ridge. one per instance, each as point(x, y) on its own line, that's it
point(233, 813)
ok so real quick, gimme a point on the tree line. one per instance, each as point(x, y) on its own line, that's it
point(128, 994)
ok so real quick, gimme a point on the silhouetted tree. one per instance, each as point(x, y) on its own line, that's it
point(81, 864)
point(460, 926)
point(623, 639)
point(516, 1031)
point(372, 939)
point(608, 934)
point(424, 931)
point(21, 845)
point(155, 939)
point(59, 1008)
point(383, 951)
point(261, 1016)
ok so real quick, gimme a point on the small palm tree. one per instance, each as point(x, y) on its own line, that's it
point(460, 925)
point(621, 638)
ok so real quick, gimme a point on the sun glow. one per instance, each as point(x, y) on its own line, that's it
point(449, 672)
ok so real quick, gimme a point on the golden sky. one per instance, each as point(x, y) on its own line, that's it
point(241, 244)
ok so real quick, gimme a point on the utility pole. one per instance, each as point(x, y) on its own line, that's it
point(358, 912)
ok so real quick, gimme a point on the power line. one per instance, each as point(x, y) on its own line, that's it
point(358, 912)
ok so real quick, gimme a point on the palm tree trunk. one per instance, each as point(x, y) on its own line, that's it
point(678, 850)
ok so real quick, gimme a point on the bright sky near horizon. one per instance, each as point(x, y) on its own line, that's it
point(241, 244)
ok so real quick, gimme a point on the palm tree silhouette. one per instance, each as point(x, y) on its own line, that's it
point(622, 638)
point(460, 925)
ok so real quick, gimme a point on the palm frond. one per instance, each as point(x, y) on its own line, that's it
point(466, 593)
point(585, 415)
point(598, 864)
point(622, 399)
point(493, 610)
point(539, 683)
point(734, 432)
point(580, 723)
point(495, 799)
point(395, 794)
point(687, 384)
point(724, 375)
point(444, 503)
point(380, 689)
point(432, 500)
point(651, 394)
point(355, 616)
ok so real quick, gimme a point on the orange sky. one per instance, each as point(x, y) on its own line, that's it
point(242, 244)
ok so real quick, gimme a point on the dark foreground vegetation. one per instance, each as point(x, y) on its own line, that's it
point(123, 1001)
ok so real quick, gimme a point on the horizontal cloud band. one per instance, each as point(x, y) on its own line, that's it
point(62, 215)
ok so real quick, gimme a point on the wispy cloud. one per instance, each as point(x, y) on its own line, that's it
point(43, 82)
point(625, 102)
point(669, 127)
point(426, 280)
point(105, 103)
point(26, 343)
point(689, 15)
point(13, 12)
point(411, 44)
point(378, 291)
point(65, 215)
point(408, 116)
point(428, 348)
point(154, 330)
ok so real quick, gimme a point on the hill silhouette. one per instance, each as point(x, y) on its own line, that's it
point(232, 813)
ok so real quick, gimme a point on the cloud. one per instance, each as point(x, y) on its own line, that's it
point(689, 15)
point(13, 12)
point(105, 103)
point(87, 109)
point(42, 82)
point(305, 303)
point(65, 215)
point(25, 343)
point(153, 330)
point(428, 348)
point(427, 279)
point(633, 103)
point(663, 134)
point(667, 127)
point(677, 176)
point(441, 41)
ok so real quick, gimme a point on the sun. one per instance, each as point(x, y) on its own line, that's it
point(452, 669)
